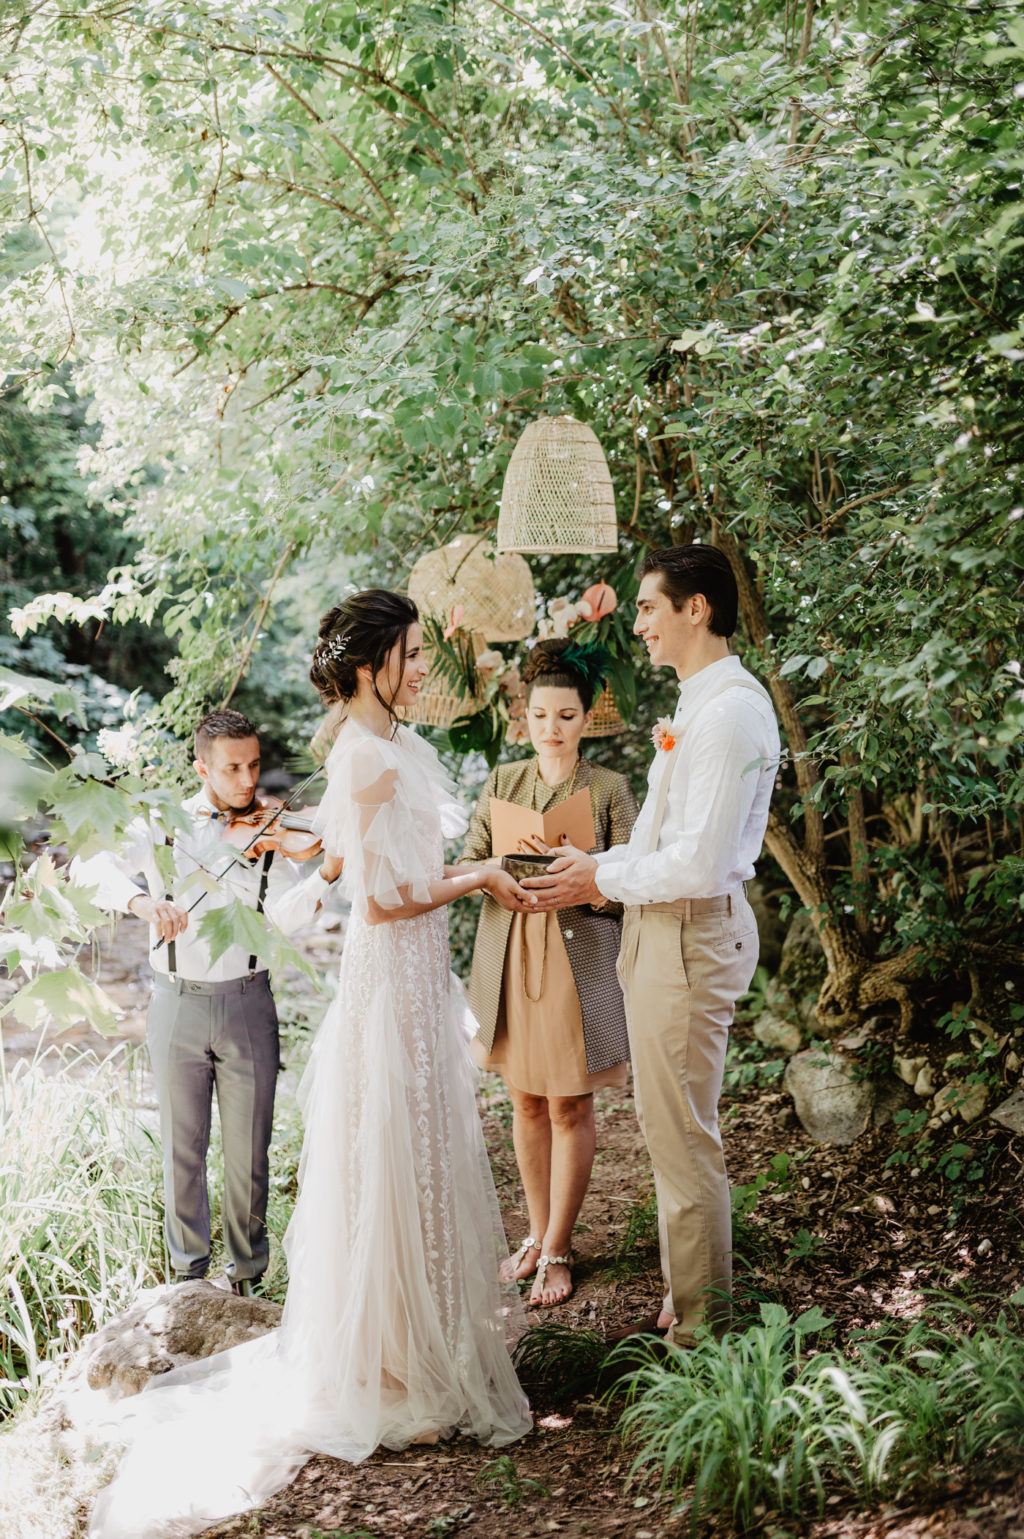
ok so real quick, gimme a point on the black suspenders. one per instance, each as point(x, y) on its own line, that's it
point(172, 950)
point(268, 861)
point(172, 953)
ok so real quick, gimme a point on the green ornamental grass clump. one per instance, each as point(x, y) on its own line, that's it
point(762, 1420)
point(80, 1212)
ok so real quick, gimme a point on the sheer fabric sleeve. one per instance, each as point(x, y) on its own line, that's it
point(386, 806)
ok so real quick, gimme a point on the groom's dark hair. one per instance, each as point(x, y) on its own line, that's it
point(688, 569)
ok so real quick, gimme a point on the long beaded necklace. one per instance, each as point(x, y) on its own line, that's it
point(536, 998)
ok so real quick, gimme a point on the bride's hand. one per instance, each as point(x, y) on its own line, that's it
point(504, 889)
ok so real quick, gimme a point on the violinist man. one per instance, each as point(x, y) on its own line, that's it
point(211, 1024)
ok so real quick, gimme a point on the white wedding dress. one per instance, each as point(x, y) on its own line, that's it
point(396, 1325)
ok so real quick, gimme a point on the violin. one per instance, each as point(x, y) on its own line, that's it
point(271, 826)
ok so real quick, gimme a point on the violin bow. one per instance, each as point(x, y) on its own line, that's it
point(236, 860)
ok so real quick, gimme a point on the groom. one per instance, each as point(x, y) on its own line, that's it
point(689, 939)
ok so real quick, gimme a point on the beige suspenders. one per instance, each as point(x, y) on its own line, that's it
point(661, 796)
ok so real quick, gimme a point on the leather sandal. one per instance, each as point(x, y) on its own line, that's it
point(542, 1272)
point(508, 1268)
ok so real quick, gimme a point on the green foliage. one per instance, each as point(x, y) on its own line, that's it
point(56, 533)
point(551, 1356)
point(79, 1212)
point(237, 924)
point(805, 1245)
point(750, 1063)
point(759, 1421)
point(780, 276)
point(499, 1477)
point(963, 1165)
point(754, 1002)
point(641, 1234)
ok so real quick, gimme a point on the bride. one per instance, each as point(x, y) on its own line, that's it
point(394, 1330)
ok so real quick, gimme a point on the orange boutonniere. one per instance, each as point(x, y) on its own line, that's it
point(662, 734)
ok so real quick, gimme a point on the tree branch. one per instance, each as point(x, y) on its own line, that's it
point(334, 138)
point(259, 618)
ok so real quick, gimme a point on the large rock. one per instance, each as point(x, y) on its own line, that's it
point(833, 1106)
point(167, 1327)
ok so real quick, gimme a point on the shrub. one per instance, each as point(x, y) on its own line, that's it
point(757, 1421)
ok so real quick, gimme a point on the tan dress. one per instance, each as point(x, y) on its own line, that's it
point(538, 1038)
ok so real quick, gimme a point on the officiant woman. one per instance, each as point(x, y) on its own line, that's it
point(543, 986)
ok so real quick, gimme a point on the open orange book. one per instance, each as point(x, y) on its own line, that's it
point(574, 817)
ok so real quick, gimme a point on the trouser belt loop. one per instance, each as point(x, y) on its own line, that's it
point(728, 900)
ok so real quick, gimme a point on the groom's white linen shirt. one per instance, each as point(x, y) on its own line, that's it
point(290, 901)
point(717, 806)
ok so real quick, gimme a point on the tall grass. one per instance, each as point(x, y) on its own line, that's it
point(761, 1421)
point(80, 1212)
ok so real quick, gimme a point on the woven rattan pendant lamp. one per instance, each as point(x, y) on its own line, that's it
point(495, 592)
point(606, 720)
point(558, 494)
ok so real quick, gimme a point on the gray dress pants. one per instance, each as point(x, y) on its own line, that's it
point(202, 1035)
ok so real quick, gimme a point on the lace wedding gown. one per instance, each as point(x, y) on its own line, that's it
point(396, 1324)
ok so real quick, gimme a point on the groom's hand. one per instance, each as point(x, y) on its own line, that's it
point(568, 881)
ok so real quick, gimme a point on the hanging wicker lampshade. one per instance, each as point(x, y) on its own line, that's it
point(558, 494)
point(496, 592)
point(606, 721)
point(438, 705)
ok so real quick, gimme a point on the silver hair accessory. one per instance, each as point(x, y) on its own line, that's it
point(334, 647)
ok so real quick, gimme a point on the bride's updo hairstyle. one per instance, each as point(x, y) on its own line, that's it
point(546, 664)
point(360, 632)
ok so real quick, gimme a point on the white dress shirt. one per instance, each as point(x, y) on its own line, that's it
point(717, 807)
point(290, 902)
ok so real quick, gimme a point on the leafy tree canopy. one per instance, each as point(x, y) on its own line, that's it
point(319, 264)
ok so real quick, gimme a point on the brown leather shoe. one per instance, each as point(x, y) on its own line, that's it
point(648, 1326)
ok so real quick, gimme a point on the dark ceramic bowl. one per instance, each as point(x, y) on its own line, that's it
point(526, 865)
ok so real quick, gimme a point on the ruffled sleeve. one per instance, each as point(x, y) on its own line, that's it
point(387, 809)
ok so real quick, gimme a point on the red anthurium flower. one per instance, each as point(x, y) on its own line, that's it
point(602, 600)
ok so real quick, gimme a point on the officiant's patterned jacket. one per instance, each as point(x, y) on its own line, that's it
point(591, 935)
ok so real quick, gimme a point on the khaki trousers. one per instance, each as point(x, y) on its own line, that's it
point(682, 967)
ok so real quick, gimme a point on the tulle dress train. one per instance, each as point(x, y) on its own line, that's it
point(396, 1324)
